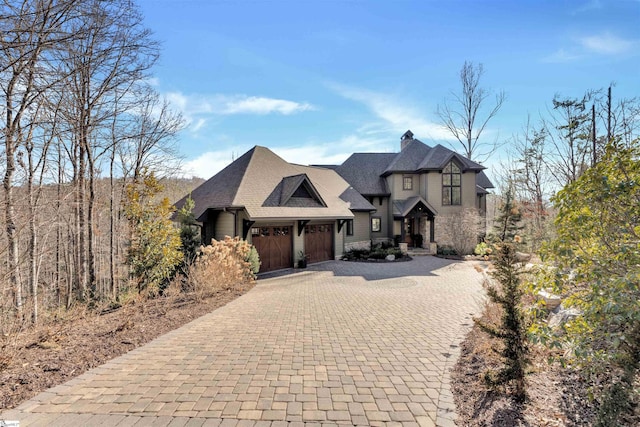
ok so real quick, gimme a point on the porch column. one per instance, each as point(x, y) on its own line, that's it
point(432, 229)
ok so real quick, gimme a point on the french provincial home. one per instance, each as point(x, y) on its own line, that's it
point(288, 210)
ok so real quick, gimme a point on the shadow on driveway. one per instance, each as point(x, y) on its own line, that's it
point(418, 266)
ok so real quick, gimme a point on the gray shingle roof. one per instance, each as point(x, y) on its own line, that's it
point(356, 201)
point(409, 159)
point(254, 177)
point(482, 180)
point(364, 172)
point(417, 156)
point(401, 208)
point(220, 190)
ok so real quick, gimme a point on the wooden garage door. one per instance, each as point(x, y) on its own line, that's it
point(273, 244)
point(318, 242)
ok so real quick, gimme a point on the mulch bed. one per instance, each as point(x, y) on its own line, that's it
point(556, 396)
point(49, 355)
point(401, 259)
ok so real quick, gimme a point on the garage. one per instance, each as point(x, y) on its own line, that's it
point(274, 245)
point(318, 242)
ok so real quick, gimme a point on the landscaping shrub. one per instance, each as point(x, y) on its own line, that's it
point(379, 252)
point(222, 265)
point(253, 258)
point(597, 242)
point(482, 249)
point(446, 251)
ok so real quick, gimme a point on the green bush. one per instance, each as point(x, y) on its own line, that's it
point(446, 251)
point(254, 260)
point(482, 249)
point(379, 252)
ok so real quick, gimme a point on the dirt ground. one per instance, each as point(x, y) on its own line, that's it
point(50, 355)
point(555, 396)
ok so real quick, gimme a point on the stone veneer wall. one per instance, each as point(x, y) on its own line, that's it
point(364, 245)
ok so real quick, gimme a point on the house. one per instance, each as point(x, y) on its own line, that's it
point(286, 209)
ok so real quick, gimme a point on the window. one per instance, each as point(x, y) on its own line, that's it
point(376, 224)
point(451, 185)
point(349, 227)
point(407, 183)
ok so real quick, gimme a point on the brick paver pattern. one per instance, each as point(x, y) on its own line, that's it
point(340, 343)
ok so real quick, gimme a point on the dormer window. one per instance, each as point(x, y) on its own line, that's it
point(407, 183)
point(451, 185)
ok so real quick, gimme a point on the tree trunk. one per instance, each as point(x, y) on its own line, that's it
point(112, 220)
point(9, 208)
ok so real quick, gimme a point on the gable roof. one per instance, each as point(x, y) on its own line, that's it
point(417, 156)
point(257, 178)
point(402, 208)
point(286, 193)
point(364, 172)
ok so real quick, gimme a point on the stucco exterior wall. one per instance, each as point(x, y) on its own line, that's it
point(360, 228)
point(298, 242)
point(361, 238)
point(424, 183)
point(383, 212)
point(434, 192)
point(397, 184)
point(225, 226)
point(338, 240)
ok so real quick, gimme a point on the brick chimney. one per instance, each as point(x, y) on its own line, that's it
point(405, 139)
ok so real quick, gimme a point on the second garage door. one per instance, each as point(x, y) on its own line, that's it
point(318, 242)
point(274, 245)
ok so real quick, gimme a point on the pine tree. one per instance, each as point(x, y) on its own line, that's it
point(507, 224)
point(512, 328)
point(506, 290)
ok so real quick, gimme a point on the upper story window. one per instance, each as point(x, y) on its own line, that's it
point(451, 185)
point(407, 183)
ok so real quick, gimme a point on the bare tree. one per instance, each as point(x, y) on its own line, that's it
point(463, 114)
point(75, 101)
point(113, 53)
point(29, 30)
point(569, 131)
point(621, 117)
point(152, 136)
point(532, 184)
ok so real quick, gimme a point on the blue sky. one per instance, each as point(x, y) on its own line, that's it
point(317, 80)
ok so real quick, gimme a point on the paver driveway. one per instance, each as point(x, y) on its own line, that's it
point(340, 343)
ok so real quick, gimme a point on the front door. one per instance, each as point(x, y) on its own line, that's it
point(408, 231)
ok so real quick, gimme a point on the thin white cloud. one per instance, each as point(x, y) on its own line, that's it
point(561, 56)
point(607, 44)
point(604, 43)
point(209, 163)
point(198, 109)
point(260, 105)
point(588, 7)
point(397, 116)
